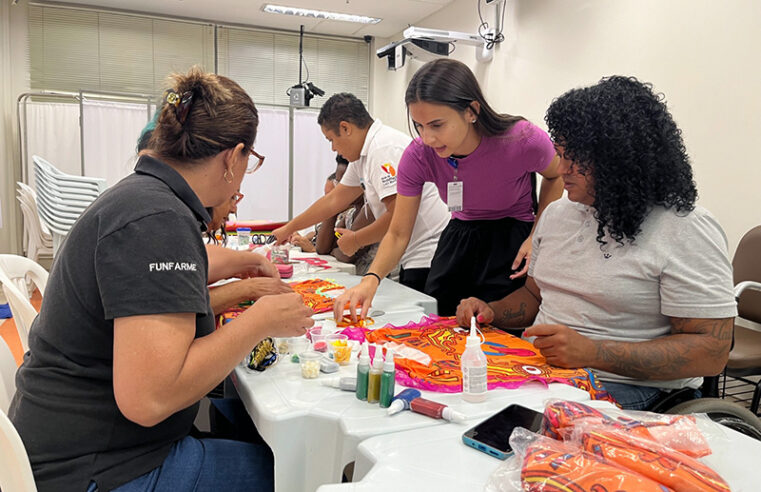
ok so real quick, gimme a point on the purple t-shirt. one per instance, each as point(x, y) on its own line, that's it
point(496, 176)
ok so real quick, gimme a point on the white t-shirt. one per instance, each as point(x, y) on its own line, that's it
point(677, 267)
point(375, 172)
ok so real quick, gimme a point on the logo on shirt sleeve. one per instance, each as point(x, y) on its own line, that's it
point(388, 179)
point(172, 266)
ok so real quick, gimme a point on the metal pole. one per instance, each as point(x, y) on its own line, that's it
point(290, 163)
point(81, 135)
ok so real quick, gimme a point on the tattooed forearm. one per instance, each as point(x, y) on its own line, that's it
point(643, 360)
point(697, 347)
point(517, 310)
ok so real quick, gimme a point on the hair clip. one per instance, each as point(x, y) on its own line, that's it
point(181, 103)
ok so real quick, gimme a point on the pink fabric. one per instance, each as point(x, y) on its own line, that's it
point(496, 176)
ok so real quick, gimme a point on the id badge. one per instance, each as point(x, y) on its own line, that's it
point(454, 196)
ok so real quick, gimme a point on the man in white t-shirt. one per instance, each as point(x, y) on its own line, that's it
point(373, 151)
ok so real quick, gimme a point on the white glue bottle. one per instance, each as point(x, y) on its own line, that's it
point(473, 365)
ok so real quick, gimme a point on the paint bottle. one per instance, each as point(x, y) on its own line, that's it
point(363, 371)
point(374, 378)
point(436, 410)
point(345, 383)
point(402, 400)
point(388, 378)
point(473, 364)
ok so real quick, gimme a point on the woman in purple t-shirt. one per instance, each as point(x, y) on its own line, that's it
point(483, 164)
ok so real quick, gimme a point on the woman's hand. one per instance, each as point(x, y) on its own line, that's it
point(260, 287)
point(347, 241)
point(302, 242)
point(282, 234)
point(256, 265)
point(524, 253)
point(474, 307)
point(285, 314)
point(358, 297)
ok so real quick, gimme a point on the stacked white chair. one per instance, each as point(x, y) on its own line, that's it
point(37, 238)
point(61, 198)
point(15, 469)
point(14, 271)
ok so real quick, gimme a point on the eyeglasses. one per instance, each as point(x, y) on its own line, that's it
point(237, 197)
point(255, 161)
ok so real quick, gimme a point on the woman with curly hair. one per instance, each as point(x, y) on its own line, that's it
point(628, 276)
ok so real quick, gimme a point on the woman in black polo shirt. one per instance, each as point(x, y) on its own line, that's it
point(124, 346)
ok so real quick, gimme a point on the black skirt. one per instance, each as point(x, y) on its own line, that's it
point(474, 259)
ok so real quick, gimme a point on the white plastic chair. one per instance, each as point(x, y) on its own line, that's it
point(7, 375)
point(14, 271)
point(39, 241)
point(15, 469)
point(61, 198)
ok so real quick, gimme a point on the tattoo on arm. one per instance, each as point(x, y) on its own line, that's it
point(510, 316)
point(693, 345)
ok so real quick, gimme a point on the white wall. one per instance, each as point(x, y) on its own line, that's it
point(701, 54)
point(14, 80)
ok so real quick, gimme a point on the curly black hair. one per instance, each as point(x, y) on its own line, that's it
point(621, 133)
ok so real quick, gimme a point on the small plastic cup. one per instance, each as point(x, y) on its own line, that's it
point(317, 337)
point(280, 254)
point(339, 347)
point(310, 364)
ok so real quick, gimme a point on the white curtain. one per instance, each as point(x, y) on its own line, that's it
point(111, 130)
point(52, 131)
point(313, 160)
point(266, 191)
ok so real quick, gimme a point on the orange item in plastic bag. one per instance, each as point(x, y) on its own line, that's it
point(655, 461)
point(678, 432)
point(554, 466)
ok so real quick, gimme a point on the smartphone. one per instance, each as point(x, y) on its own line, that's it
point(492, 436)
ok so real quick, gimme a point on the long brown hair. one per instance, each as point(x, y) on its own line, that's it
point(451, 83)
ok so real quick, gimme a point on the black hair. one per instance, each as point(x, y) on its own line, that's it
point(341, 160)
point(622, 134)
point(343, 107)
point(451, 83)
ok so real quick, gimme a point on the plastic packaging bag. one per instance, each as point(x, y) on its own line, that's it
point(646, 457)
point(545, 464)
point(679, 432)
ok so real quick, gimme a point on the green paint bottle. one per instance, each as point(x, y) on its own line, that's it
point(363, 372)
point(388, 379)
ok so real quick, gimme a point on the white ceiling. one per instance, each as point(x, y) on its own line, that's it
point(396, 14)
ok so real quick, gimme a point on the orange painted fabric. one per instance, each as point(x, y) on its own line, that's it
point(678, 432)
point(311, 292)
point(554, 466)
point(653, 460)
point(511, 361)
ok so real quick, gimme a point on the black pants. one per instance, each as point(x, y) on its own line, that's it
point(474, 259)
point(414, 278)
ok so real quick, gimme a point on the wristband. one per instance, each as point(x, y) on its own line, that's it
point(374, 275)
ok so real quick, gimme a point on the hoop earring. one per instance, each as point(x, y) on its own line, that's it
point(473, 121)
point(228, 179)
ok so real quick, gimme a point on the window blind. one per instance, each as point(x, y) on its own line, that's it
point(266, 64)
point(74, 50)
